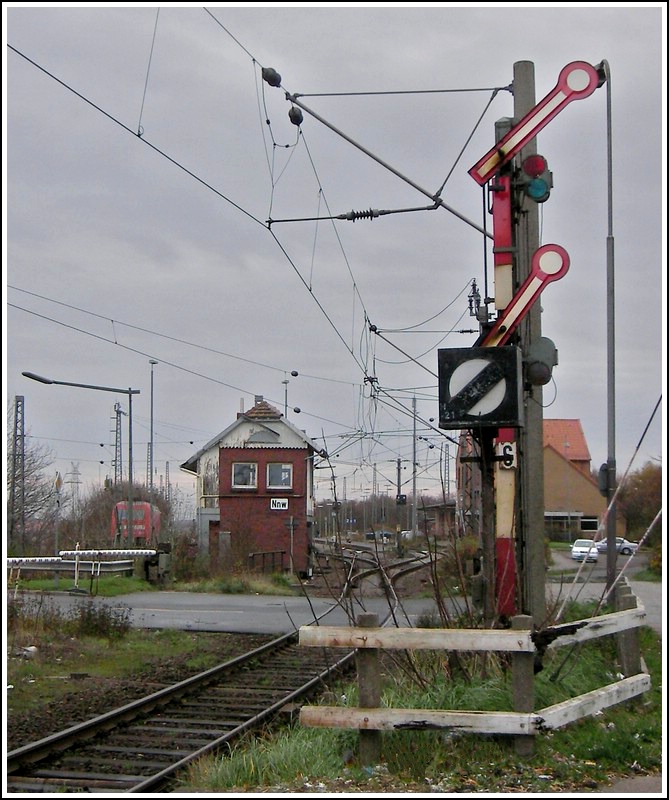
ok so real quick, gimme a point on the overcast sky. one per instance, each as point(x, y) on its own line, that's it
point(144, 156)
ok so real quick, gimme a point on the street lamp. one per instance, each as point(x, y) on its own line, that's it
point(285, 383)
point(153, 362)
point(130, 393)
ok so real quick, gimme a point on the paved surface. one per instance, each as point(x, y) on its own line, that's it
point(641, 785)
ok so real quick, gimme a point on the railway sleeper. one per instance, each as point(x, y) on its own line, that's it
point(186, 745)
point(43, 785)
point(106, 764)
point(134, 751)
point(204, 725)
point(87, 777)
point(219, 708)
point(182, 733)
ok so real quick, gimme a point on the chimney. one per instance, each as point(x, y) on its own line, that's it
point(258, 399)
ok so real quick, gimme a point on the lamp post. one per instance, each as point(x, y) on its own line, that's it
point(153, 362)
point(130, 393)
point(285, 383)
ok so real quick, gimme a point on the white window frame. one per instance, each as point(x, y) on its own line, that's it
point(253, 474)
point(282, 465)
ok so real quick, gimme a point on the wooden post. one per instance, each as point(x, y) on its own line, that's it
point(629, 648)
point(369, 688)
point(522, 673)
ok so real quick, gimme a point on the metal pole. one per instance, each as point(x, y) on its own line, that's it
point(611, 551)
point(131, 527)
point(58, 485)
point(153, 363)
point(414, 516)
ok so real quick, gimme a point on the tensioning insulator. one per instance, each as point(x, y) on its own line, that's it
point(369, 214)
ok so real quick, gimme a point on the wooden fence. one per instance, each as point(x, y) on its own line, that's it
point(523, 723)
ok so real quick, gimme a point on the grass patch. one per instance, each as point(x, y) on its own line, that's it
point(275, 758)
point(104, 586)
point(46, 646)
point(243, 583)
point(625, 739)
point(650, 575)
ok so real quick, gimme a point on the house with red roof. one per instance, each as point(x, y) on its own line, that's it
point(573, 504)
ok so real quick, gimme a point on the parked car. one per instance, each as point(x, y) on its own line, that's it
point(584, 549)
point(624, 547)
point(380, 536)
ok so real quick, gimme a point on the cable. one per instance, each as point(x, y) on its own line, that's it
point(156, 333)
point(140, 130)
point(141, 139)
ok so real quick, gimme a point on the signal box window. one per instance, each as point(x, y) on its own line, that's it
point(244, 475)
point(279, 476)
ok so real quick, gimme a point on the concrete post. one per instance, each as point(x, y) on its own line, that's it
point(629, 647)
point(531, 466)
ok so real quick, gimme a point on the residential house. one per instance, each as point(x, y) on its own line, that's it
point(573, 504)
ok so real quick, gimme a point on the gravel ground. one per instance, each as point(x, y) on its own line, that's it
point(91, 696)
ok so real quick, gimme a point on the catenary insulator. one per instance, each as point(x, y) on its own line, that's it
point(295, 115)
point(271, 76)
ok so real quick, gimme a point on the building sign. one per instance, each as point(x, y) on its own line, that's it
point(278, 504)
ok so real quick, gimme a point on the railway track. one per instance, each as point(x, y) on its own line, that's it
point(141, 746)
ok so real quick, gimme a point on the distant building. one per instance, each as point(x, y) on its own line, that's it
point(437, 520)
point(573, 505)
point(255, 494)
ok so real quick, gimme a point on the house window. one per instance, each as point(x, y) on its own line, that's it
point(279, 476)
point(244, 475)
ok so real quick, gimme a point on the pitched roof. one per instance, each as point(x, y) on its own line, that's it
point(261, 410)
point(567, 438)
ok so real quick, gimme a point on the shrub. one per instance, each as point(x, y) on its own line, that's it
point(90, 619)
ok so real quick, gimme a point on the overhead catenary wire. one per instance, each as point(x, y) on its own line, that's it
point(115, 322)
point(196, 177)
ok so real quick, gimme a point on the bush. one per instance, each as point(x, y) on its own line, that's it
point(655, 560)
point(90, 619)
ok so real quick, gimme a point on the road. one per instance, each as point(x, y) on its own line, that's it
point(239, 613)
point(592, 579)
point(276, 615)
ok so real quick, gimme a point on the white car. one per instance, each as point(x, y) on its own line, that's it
point(584, 550)
point(624, 547)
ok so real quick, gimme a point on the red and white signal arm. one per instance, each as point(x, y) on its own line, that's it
point(549, 263)
point(576, 81)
